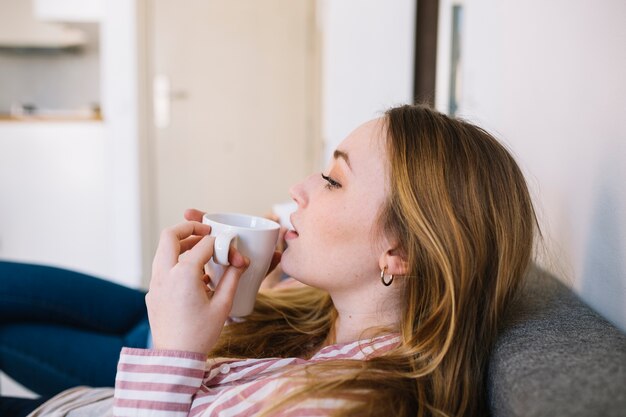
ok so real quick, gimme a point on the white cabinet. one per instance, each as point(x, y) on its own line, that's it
point(20, 28)
point(54, 203)
point(69, 10)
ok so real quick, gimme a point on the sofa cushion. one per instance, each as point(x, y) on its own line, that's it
point(556, 357)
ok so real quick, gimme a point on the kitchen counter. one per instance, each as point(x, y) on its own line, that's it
point(48, 118)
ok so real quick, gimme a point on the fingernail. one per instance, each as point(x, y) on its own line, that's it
point(238, 260)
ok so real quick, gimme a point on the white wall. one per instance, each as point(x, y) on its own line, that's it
point(367, 62)
point(548, 78)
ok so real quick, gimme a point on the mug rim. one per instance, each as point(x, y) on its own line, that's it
point(266, 224)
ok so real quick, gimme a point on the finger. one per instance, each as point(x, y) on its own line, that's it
point(225, 291)
point(281, 243)
point(272, 216)
point(276, 257)
point(169, 248)
point(235, 258)
point(201, 253)
point(189, 243)
point(193, 215)
point(206, 279)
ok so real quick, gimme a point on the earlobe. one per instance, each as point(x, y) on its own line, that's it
point(395, 261)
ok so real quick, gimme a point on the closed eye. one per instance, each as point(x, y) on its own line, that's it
point(331, 182)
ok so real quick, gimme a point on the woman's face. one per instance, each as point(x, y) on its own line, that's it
point(334, 245)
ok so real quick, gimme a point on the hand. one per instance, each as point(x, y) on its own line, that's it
point(196, 216)
point(184, 314)
point(280, 246)
point(275, 272)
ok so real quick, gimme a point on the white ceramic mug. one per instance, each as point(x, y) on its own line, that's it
point(255, 238)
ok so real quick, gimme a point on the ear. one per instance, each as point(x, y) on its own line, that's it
point(394, 259)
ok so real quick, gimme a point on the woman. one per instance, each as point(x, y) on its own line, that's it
point(411, 245)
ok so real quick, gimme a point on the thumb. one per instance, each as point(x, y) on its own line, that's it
point(275, 261)
point(225, 291)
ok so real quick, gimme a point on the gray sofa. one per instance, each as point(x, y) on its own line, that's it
point(557, 357)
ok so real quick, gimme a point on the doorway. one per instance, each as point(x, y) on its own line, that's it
point(235, 104)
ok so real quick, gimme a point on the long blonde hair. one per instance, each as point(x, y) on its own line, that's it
point(460, 208)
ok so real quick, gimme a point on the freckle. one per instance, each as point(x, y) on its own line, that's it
point(350, 316)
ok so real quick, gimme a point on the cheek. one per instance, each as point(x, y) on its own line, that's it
point(315, 253)
point(349, 224)
point(336, 244)
point(336, 240)
point(333, 229)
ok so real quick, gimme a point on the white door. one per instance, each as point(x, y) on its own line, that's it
point(235, 94)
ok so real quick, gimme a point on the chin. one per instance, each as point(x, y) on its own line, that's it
point(292, 267)
point(287, 264)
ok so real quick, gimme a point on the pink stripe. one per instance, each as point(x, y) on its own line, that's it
point(247, 392)
point(248, 412)
point(155, 387)
point(358, 348)
point(383, 349)
point(336, 348)
point(198, 409)
point(220, 377)
point(163, 353)
point(329, 349)
point(348, 355)
point(151, 405)
point(161, 369)
point(252, 411)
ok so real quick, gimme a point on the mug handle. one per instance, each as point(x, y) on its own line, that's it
point(222, 246)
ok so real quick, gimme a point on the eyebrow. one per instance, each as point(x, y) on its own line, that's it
point(341, 154)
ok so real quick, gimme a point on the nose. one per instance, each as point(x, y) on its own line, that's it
point(298, 192)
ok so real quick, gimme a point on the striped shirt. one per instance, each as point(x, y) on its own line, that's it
point(154, 383)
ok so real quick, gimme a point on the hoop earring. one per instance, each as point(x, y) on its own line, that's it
point(382, 277)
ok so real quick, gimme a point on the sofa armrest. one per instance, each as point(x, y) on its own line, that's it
point(556, 357)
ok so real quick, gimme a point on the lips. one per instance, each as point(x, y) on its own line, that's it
point(292, 234)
